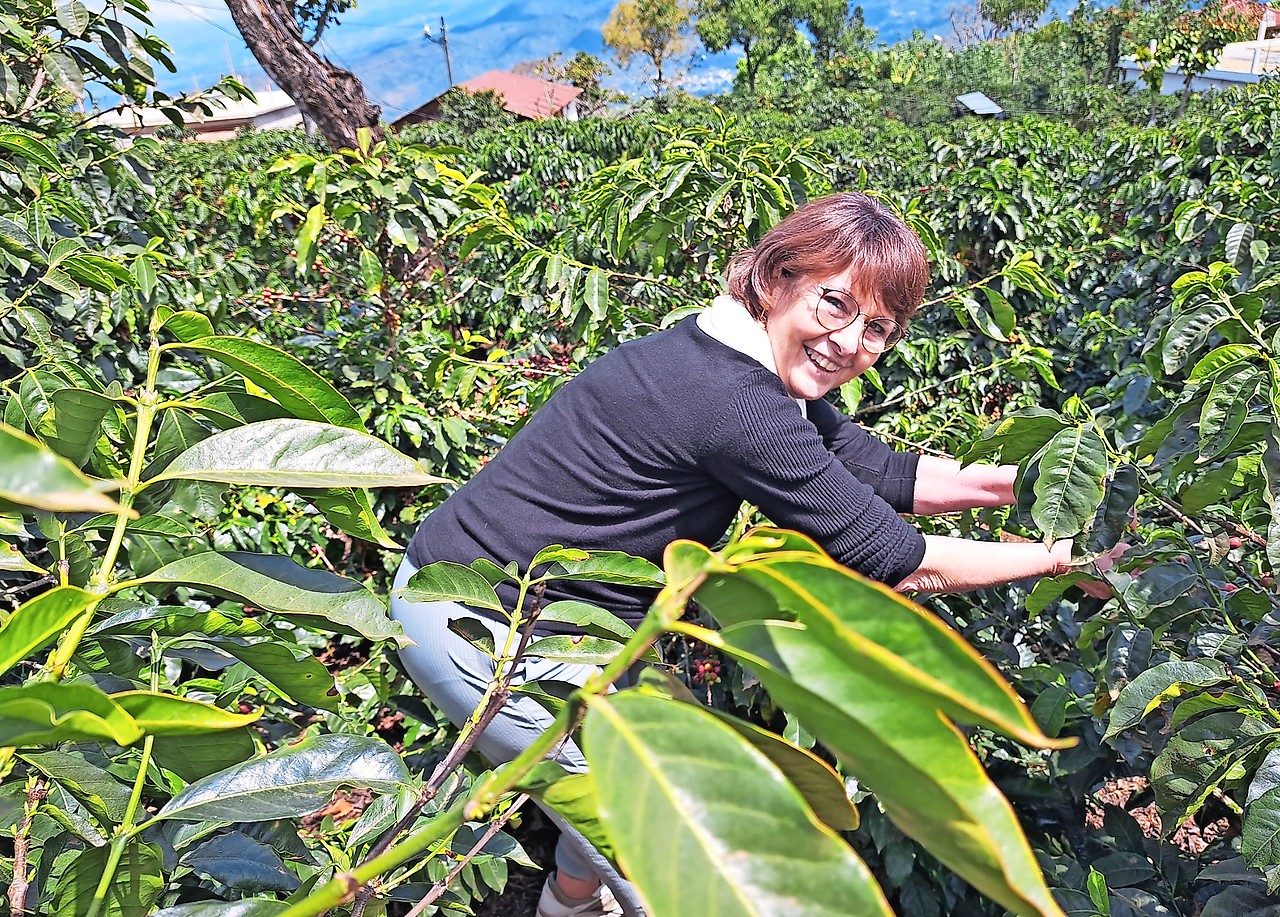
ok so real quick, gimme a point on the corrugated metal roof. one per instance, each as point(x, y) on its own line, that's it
point(526, 96)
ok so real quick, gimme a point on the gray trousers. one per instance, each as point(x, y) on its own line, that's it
point(453, 675)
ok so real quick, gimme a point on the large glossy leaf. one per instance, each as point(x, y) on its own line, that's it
point(592, 619)
point(240, 862)
point(312, 598)
point(291, 781)
point(919, 765)
point(1114, 514)
point(1226, 409)
point(173, 621)
point(678, 790)
point(294, 674)
point(1015, 436)
point(1153, 687)
point(578, 649)
point(135, 887)
point(573, 798)
point(285, 378)
point(185, 325)
point(1260, 833)
point(166, 714)
point(235, 409)
point(297, 453)
point(36, 623)
point(1220, 358)
point(48, 713)
point(1070, 487)
point(450, 582)
point(31, 475)
point(879, 632)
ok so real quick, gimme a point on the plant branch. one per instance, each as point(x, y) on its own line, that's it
point(494, 827)
point(37, 789)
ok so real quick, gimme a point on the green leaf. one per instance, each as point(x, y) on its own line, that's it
point(185, 325)
point(920, 767)
point(371, 274)
point(350, 510)
point(1003, 314)
point(1198, 758)
point(294, 674)
point(1189, 330)
point(1271, 491)
point(308, 233)
point(72, 16)
point(14, 561)
point(1221, 358)
point(291, 781)
point(64, 72)
point(1239, 237)
point(1158, 586)
point(144, 275)
point(32, 149)
point(1115, 512)
point(1016, 436)
point(37, 622)
point(983, 319)
point(591, 619)
point(1157, 685)
point(573, 798)
point(575, 650)
point(601, 566)
point(449, 582)
point(298, 388)
point(103, 795)
point(173, 621)
point(77, 422)
point(671, 782)
point(235, 409)
point(1070, 487)
point(816, 780)
point(31, 475)
point(1226, 409)
point(49, 713)
point(297, 453)
point(192, 757)
point(1260, 833)
point(135, 886)
point(313, 598)
point(237, 861)
point(596, 294)
point(879, 632)
point(165, 714)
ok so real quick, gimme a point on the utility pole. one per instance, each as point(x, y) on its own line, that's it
point(442, 41)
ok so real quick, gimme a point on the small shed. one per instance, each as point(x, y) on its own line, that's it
point(524, 96)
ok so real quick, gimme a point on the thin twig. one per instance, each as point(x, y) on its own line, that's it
point(440, 887)
point(22, 847)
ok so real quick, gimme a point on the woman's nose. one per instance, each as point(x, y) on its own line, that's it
point(849, 338)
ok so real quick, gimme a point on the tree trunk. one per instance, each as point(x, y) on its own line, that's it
point(331, 97)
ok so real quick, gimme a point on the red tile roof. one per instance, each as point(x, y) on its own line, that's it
point(524, 95)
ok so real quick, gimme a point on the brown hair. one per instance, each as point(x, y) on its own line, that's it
point(833, 234)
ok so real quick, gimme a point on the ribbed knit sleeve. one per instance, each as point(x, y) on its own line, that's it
point(890, 473)
point(764, 450)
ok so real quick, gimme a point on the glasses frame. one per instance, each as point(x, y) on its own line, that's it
point(858, 312)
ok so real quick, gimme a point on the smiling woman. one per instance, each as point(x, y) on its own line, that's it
point(665, 437)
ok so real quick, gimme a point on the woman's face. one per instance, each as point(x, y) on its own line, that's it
point(811, 360)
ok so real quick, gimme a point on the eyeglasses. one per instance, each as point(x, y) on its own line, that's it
point(836, 310)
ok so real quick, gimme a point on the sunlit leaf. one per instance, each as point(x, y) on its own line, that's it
point(35, 623)
point(135, 886)
point(1070, 486)
point(48, 713)
point(291, 781)
point(31, 475)
point(297, 453)
point(677, 789)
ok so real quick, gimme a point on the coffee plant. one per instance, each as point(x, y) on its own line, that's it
point(198, 706)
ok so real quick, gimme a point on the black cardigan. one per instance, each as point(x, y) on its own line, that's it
point(663, 438)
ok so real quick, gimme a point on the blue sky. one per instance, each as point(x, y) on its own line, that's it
point(382, 41)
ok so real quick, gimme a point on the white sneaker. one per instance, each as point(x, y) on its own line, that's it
point(603, 904)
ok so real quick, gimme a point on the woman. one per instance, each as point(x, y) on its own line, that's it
point(666, 436)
